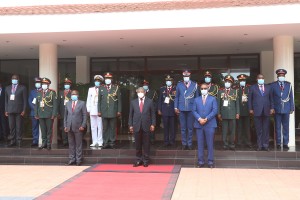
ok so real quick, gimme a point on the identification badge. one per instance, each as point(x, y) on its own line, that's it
point(33, 101)
point(66, 101)
point(244, 98)
point(42, 105)
point(225, 103)
point(12, 97)
point(167, 100)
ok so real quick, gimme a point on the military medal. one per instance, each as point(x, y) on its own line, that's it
point(42, 104)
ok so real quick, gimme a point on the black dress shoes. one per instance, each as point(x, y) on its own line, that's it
point(11, 144)
point(78, 163)
point(210, 166)
point(200, 165)
point(49, 147)
point(190, 148)
point(285, 147)
point(146, 164)
point(43, 146)
point(258, 149)
point(265, 148)
point(137, 163)
point(70, 163)
point(278, 146)
point(184, 147)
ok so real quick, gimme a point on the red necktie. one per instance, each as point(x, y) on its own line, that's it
point(73, 106)
point(141, 105)
point(281, 86)
point(203, 100)
point(13, 89)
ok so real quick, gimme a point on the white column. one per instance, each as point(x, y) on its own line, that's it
point(267, 65)
point(48, 68)
point(283, 47)
point(82, 69)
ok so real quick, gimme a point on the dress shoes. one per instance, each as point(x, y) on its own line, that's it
point(184, 147)
point(19, 144)
point(93, 145)
point(190, 148)
point(265, 149)
point(258, 149)
point(285, 147)
point(43, 146)
point(106, 146)
point(137, 163)
point(70, 163)
point(210, 166)
point(66, 144)
point(146, 164)
point(225, 147)
point(232, 147)
point(78, 163)
point(278, 146)
point(48, 147)
point(11, 144)
point(200, 165)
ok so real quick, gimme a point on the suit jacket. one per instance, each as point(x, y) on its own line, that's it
point(283, 100)
point(109, 102)
point(141, 120)
point(32, 95)
point(260, 104)
point(61, 101)
point(20, 103)
point(167, 109)
point(209, 110)
point(73, 120)
point(2, 100)
point(92, 101)
point(184, 98)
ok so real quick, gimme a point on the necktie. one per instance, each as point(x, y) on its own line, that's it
point(13, 89)
point(281, 85)
point(141, 105)
point(203, 100)
point(73, 106)
point(261, 89)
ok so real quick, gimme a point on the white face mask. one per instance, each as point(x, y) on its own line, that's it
point(242, 83)
point(186, 79)
point(281, 78)
point(204, 92)
point(227, 84)
point(141, 95)
point(168, 83)
point(44, 87)
point(107, 81)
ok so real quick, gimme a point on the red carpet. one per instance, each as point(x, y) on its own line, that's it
point(117, 185)
point(129, 169)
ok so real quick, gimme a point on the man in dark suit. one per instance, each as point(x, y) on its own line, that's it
point(205, 110)
point(15, 107)
point(74, 124)
point(260, 103)
point(142, 122)
point(3, 119)
point(283, 106)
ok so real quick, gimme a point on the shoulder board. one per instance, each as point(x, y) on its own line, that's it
point(221, 88)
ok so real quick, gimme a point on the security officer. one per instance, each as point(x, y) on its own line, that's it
point(213, 89)
point(32, 102)
point(64, 96)
point(243, 123)
point(284, 106)
point(45, 111)
point(166, 110)
point(151, 94)
point(109, 108)
point(228, 111)
point(186, 92)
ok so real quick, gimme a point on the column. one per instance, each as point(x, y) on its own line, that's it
point(82, 69)
point(267, 65)
point(48, 68)
point(283, 47)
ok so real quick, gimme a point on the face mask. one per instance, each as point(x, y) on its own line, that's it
point(140, 94)
point(44, 87)
point(74, 97)
point(260, 81)
point(242, 83)
point(14, 81)
point(97, 83)
point(207, 79)
point(107, 81)
point(168, 83)
point(204, 92)
point(186, 79)
point(281, 78)
point(227, 84)
point(67, 87)
point(146, 87)
point(37, 85)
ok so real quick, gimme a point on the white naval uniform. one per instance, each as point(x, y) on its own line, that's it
point(96, 122)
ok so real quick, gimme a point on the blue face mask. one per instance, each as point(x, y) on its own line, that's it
point(37, 85)
point(281, 78)
point(243, 83)
point(146, 87)
point(207, 79)
point(260, 81)
point(14, 81)
point(186, 79)
point(227, 84)
point(168, 83)
point(67, 87)
point(107, 81)
point(74, 97)
point(97, 83)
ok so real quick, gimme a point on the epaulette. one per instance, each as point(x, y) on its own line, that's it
point(248, 85)
point(221, 88)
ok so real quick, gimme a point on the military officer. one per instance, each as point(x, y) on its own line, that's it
point(64, 96)
point(92, 109)
point(228, 111)
point(243, 123)
point(166, 110)
point(186, 92)
point(32, 101)
point(284, 106)
point(212, 88)
point(109, 108)
point(45, 111)
point(151, 94)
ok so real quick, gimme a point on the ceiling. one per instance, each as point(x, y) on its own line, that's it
point(150, 42)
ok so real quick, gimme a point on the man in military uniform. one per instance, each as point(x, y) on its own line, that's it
point(109, 108)
point(45, 111)
point(186, 92)
point(213, 89)
point(166, 110)
point(32, 101)
point(243, 123)
point(151, 94)
point(92, 110)
point(64, 96)
point(228, 111)
point(284, 106)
